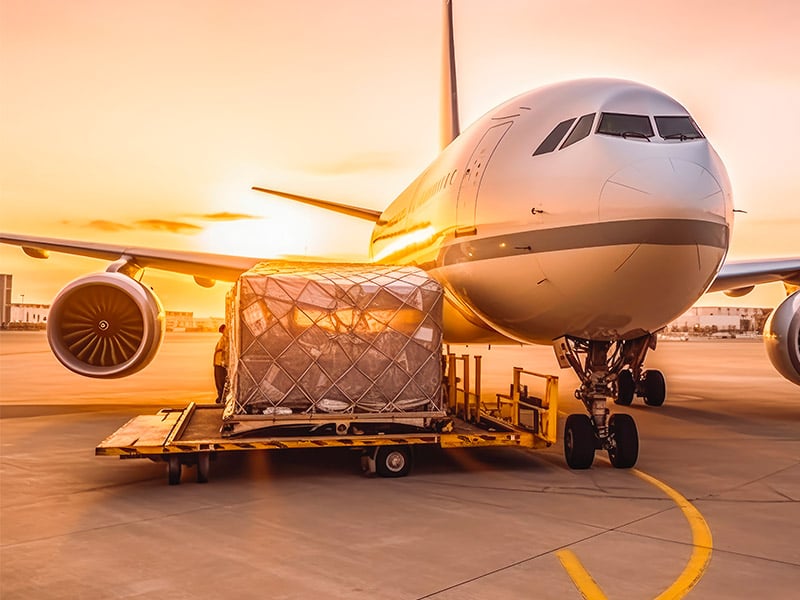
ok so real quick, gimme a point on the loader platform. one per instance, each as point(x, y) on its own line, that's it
point(189, 436)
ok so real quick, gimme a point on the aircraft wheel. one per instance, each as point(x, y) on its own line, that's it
point(655, 388)
point(625, 388)
point(203, 466)
point(393, 461)
point(579, 442)
point(174, 469)
point(624, 450)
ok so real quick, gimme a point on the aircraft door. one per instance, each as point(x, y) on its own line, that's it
point(471, 182)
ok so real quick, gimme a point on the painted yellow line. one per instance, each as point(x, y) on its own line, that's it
point(702, 546)
point(580, 577)
point(701, 541)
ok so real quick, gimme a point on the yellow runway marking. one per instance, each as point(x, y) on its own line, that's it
point(698, 562)
point(580, 576)
point(701, 541)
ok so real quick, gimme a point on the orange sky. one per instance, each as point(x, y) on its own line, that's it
point(146, 123)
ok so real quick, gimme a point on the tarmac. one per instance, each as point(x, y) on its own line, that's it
point(711, 510)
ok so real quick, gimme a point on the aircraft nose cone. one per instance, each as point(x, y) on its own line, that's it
point(666, 188)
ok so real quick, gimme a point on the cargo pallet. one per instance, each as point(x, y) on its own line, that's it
point(191, 436)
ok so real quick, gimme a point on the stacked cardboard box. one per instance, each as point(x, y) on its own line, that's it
point(334, 339)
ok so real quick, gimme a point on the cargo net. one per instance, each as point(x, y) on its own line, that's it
point(334, 339)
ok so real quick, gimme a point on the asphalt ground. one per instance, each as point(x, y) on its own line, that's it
point(491, 523)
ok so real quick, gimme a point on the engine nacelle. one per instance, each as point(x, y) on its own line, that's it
point(105, 325)
point(782, 338)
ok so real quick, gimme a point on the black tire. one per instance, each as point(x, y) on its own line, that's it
point(393, 461)
point(624, 449)
point(579, 442)
point(174, 469)
point(655, 388)
point(203, 466)
point(626, 388)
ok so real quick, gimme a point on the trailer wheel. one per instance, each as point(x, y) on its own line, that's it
point(393, 461)
point(174, 469)
point(203, 466)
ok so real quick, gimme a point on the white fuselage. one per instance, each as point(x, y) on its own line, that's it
point(608, 237)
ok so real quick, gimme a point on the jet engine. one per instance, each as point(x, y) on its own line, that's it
point(105, 325)
point(782, 338)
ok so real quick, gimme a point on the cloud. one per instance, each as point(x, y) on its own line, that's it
point(108, 226)
point(226, 216)
point(169, 226)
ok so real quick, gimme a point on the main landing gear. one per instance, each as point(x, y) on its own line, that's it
point(607, 370)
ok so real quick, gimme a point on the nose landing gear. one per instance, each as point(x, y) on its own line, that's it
point(623, 447)
point(609, 370)
point(654, 388)
point(580, 442)
point(651, 386)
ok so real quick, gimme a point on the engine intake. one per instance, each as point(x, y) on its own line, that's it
point(782, 338)
point(105, 325)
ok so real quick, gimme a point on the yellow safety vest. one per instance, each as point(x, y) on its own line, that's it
point(221, 352)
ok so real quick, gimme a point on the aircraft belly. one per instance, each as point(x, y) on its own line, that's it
point(612, 292)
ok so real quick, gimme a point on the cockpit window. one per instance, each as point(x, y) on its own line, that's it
point(582, 129)
point(627, 126)
point(678, 128)
point(554, 137)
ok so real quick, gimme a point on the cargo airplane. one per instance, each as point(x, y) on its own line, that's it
point(586, 215)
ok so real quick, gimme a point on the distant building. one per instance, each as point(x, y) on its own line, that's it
point(29, 314)
point(19, 315)
point(179, 320)
point(208, 323)
point(5, 299)
point(708, 319)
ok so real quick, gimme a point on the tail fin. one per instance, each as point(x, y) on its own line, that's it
point(449, 92)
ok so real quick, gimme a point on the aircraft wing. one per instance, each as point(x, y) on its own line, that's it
point(740, 277)
point(198, 264)
point(358, 212)
point(204, 267)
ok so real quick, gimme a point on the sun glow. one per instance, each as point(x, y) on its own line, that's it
point(263, 237)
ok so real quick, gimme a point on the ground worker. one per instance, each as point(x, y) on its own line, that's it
point(221, 363)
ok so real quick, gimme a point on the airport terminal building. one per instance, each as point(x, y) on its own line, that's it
point(712, 319)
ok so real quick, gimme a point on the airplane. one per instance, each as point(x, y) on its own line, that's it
point(586, 214)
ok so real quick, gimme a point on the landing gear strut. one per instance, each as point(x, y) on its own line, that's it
point(607, 370)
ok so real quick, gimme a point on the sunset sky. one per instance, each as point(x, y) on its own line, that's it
point(146, 123)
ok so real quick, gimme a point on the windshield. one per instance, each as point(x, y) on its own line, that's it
point(678, 128)
point(551, 141)
point(637, 126)
point(582, 129)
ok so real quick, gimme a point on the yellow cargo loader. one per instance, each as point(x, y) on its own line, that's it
point(191, 436)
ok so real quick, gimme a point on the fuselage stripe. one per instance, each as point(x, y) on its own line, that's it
point(660, 232)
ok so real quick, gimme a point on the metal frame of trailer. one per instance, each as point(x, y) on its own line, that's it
point(192, 435)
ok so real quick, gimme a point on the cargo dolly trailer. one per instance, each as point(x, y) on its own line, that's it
point(193, 435)
point(339, 356)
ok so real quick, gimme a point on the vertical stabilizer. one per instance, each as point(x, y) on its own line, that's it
point(449, 127)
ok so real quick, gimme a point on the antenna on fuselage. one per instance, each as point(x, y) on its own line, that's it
point(449, 127)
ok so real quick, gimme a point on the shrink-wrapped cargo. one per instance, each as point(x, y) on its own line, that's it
point(310, 340)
